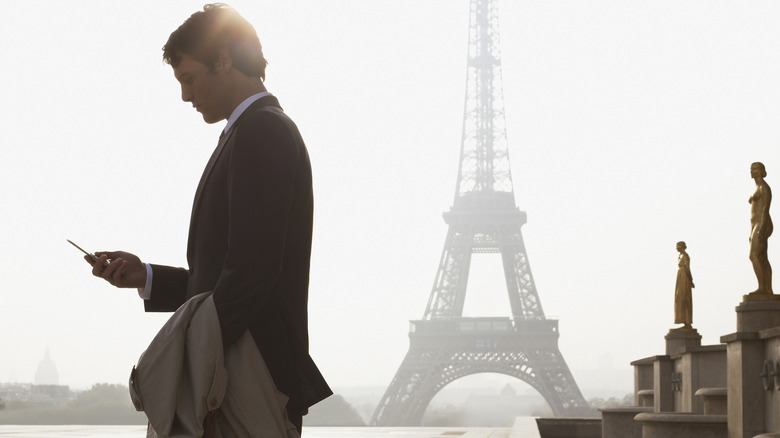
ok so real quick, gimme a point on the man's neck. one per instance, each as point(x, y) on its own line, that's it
point(242, 107)
point(244, 88)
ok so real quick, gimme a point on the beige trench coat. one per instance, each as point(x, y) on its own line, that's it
point(184, 374)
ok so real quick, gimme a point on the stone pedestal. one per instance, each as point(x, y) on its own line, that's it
point(715, 401)
point(643, 381)
point(678, 425)
point(676, 340)
point(754, 316)
point(698, 367)
point(645, 398)
point(618, 422)
point(745, 399)
point(745, 350)
point(770, 376)
point(663, 395)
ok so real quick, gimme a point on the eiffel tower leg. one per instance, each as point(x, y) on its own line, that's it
point(400, 405)
point(423, 373)
point(558, 385)
point(449, 287)
point(517, 272)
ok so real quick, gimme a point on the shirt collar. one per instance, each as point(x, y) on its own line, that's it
point(242, 107)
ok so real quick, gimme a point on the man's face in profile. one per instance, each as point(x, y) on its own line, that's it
point(202, 88)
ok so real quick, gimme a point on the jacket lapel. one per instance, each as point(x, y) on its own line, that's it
point(223, 141)
point(210, 165)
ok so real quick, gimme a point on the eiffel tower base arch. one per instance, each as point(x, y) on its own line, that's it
point(442, 351)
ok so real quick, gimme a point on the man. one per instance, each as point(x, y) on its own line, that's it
point(251, 224)
point(760, 229)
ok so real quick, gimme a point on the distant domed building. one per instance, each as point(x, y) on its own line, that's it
point(47, 372)
point(47, 391)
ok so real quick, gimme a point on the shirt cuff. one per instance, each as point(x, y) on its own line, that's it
point(146, 292)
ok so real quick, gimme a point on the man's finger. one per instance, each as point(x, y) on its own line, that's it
point(110, 270)
point(99, 266)
point(120, 268)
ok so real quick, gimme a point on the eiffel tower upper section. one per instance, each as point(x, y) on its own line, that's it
point(484, 217)
point(484, 176)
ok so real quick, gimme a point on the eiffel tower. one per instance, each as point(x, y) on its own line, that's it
point(444, 345)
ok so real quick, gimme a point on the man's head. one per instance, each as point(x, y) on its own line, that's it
point(216, 28)
point(217, 58)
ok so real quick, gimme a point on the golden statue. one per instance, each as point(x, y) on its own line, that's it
point(683, 300)
point(760, 229)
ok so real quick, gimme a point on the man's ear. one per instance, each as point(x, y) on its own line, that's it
point(224, 62)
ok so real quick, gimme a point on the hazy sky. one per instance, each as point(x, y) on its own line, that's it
point(631, 125)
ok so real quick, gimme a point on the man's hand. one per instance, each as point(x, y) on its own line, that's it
point(119, 268)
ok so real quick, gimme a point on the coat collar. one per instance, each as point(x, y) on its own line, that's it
point(243, 106)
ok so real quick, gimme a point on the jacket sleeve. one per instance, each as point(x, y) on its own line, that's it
point(262, 169)
point(169, 289)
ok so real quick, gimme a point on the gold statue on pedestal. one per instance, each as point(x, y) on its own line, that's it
point(761, 229)
point(683, 299)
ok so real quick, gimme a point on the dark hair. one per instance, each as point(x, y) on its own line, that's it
point(208, 32)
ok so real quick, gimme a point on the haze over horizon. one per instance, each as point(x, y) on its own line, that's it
point(631, 126)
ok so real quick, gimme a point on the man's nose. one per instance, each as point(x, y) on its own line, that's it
point(186, 95)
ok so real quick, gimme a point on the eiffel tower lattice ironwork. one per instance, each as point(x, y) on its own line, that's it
point(444, 345)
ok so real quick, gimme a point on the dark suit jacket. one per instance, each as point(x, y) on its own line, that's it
point(250, 243)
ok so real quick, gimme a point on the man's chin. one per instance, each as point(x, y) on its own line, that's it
point(211, 119)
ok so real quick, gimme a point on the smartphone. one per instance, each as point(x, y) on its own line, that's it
point(92, 256)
